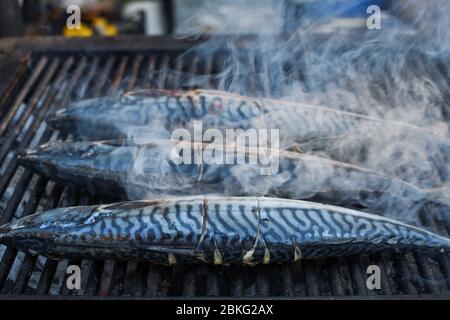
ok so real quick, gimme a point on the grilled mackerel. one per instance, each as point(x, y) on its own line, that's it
point(215, 230)
point(148, 169)
point(161, 111)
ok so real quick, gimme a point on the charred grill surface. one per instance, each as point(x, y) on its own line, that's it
point(45, 81)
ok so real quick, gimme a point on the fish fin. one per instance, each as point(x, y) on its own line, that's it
point(171, 259)
point(248, 257)
point(298, 255)
point(266, 258)
point(217, 255)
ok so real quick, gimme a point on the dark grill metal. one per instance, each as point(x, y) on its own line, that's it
point(48, 79)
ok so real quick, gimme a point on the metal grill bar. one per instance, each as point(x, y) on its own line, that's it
point(13, 202)
point(34, 76)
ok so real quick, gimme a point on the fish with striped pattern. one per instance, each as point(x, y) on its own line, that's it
point(145, 169)
point(162, 111)
point(215, 230)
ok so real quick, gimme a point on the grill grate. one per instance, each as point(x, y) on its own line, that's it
point(52, 79)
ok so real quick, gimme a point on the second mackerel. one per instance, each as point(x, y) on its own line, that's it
point(139, 170)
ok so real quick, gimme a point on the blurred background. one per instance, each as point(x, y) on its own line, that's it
point(159, 17)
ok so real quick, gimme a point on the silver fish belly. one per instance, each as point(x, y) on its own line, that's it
point(216, 230)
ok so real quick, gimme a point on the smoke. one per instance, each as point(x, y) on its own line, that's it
point(398, 74)
point(221, 17)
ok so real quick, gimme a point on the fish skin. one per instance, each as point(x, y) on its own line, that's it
point(140, 170)
point(115, 117)
point(101, 119)
point(217, 230)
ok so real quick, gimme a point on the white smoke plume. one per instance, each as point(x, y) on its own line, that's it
point(399, 73)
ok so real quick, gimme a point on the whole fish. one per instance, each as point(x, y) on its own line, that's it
point(216, 230)
point(161, 111)
point(139, 170)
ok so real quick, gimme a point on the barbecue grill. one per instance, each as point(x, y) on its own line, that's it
point(41, 75)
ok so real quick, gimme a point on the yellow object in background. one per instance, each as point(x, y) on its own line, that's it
point(103, 27)
point(98, 25)
point(83, 31)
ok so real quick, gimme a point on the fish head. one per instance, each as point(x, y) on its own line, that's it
point(38, 233)
point(105, 118)
point(68, 118)
point(58, 159)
